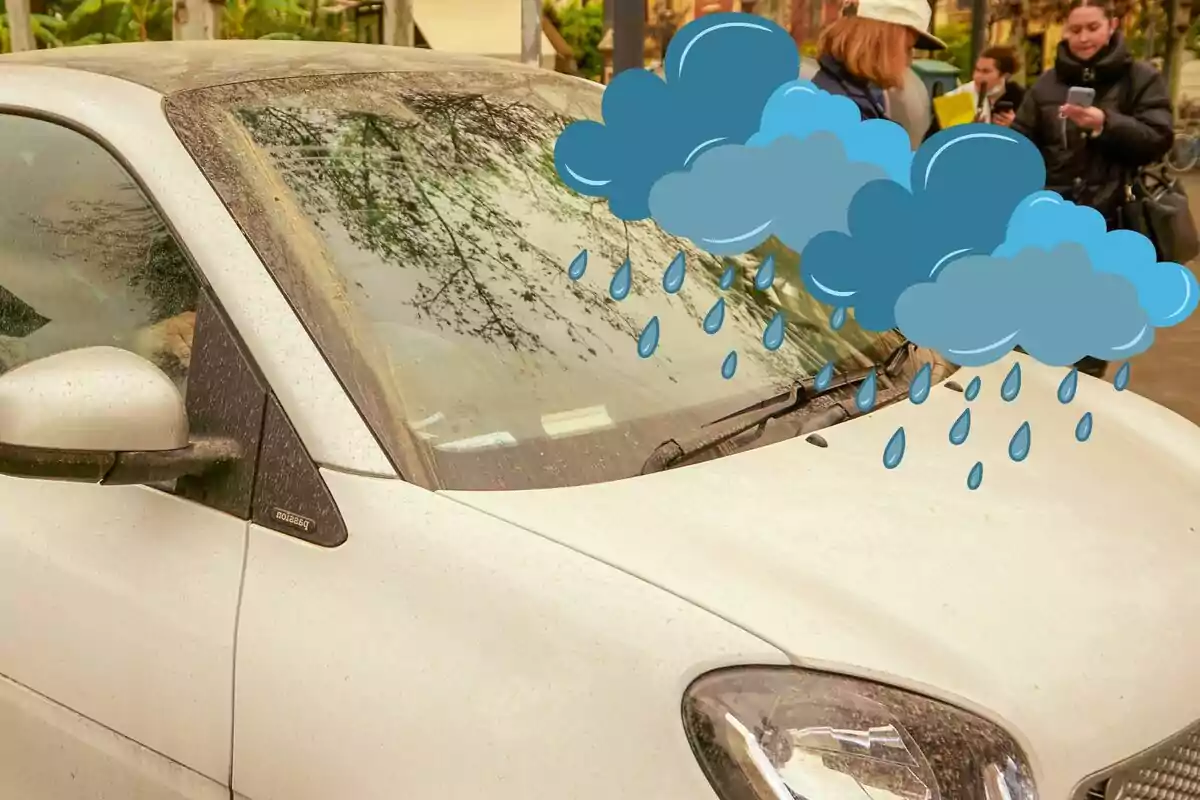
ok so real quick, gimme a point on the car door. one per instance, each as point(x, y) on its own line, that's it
point(118, 604)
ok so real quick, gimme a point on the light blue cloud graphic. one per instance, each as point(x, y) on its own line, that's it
point(1167, 291)
point(956, 244)
point(1052, 303)
point(720, 71)
point(965, 182)
point(734, 197)
point(800, 109)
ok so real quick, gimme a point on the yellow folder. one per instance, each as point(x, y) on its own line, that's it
point(954, 109)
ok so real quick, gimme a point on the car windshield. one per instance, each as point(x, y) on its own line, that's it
point(417, 223)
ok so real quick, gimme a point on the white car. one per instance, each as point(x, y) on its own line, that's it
point(323, 480)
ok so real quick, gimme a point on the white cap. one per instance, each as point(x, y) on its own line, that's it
point(912, 14)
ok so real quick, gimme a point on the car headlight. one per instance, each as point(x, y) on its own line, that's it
point(771, 733)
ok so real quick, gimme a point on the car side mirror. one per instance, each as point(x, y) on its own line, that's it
point(99, 415)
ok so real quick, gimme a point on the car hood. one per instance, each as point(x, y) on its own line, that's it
point(1060, 598)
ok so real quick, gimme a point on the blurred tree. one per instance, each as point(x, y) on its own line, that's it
point(1179, 16)
point(957, 37)
point(285, 19)
point(107, 21)
point(582, 25)
point(82, 22)
point(58, 23)
point(1145, 24)
point(36, 27)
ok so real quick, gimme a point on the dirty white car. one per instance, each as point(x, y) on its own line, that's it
point(323, 480)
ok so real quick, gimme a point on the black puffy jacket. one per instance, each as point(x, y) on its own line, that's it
point(1138, 128)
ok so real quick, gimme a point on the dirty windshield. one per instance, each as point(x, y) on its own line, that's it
point(474, 306)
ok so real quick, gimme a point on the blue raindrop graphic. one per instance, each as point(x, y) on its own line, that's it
point(1121, 379)
point(894, 452)
point(1018, 447)
point(773, 335)
point(865, 397)
point(765, 275)
point(824, 377)
point(1012, 383)
point(648, 341)
point(976, 476)
point(715, 317)
point(961, 428)
point(1066, 389)
point(918, 390)
point(673, 277)
point(578, 266)
point(727, 277)
point(1083, 428)
point(729, 365)
point(622, 280)
point(837, 319)
point(973, 388)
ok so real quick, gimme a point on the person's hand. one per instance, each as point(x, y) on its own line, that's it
point(1004, 118)
point(1088, 118)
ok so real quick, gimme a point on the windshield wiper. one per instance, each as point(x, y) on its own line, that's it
point(801, 394)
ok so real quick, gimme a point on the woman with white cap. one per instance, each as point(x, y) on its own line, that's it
point(866, 56)
point(869, 49)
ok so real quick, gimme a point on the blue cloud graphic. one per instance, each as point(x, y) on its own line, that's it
point(1167, 291)
point(1053, 304)
point(965, 181)
point(734, 197)
point(720, 71)
point(799, 109)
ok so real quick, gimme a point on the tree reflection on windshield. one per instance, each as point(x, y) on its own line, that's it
point(442, 213)
point(353, 164)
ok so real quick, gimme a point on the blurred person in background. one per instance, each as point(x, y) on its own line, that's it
point(1093, 152)
point(868, 51)
point(993, 79)
point(992, 90)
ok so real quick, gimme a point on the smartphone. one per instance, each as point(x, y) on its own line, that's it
point(1081, 96)
point(1002, 107)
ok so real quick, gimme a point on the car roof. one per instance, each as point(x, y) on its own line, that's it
point(170, 67)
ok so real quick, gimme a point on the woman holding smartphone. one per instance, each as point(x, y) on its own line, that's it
point(996, 94)
point(992, 90)
point(1097, 116)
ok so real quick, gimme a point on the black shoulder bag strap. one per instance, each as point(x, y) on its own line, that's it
point(1156, 205)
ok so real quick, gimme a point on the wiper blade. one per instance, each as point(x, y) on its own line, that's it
point(802, 393)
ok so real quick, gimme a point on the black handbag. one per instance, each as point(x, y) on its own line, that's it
point(1157, 207)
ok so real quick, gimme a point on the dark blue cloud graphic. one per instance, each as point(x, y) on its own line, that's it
point(720, 71)
point(799, 109)
point(1167, 291)
point(1052, 303)
point(734, 197)
point(965, 182)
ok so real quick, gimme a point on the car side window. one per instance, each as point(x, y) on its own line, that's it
point(85, 257)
